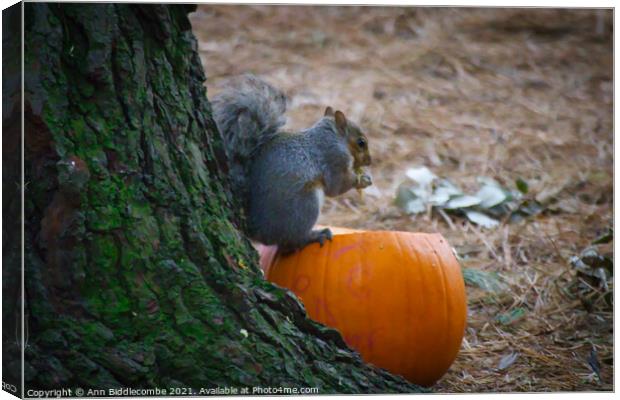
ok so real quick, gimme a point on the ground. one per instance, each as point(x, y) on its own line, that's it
point(503, 93)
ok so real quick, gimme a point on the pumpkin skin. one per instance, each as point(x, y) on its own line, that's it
point(398, 298)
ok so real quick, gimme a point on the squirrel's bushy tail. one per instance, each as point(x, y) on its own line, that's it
point(248, 113)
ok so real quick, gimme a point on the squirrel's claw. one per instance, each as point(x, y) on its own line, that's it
point(324, 234)
point(328, 234)
point(315, 237)
point(321, 236)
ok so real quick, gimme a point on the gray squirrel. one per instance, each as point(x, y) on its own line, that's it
point(282, 177)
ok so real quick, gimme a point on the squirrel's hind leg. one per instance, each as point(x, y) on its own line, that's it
point(315, 236)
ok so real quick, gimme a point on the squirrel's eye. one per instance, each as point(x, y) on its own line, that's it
point(361, 143)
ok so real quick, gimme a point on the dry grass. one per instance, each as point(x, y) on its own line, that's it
point(504, 93)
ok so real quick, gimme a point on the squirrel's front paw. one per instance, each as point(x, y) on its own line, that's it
point(363, 181)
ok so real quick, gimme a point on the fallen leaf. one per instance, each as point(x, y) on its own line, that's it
point(511, 317)
point(463, 201)
point(408, 201)
point(522, 186)
point(481, 219)
point(489, 281)
point(605, 237)
point(444, 191)
point(491, 195)
point(421, 175)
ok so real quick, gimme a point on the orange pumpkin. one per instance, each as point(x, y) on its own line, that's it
point(398, 298)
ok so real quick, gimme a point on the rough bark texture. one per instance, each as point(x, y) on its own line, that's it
point(11, 198)
point(136, 273)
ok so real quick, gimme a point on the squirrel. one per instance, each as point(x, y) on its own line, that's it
point(282, 177)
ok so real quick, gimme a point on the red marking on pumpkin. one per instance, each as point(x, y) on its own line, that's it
point(302, 282)
point(359, 292)
point(345, 249)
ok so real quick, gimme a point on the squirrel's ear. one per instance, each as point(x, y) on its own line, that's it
point(341, 122)
point(329, 112)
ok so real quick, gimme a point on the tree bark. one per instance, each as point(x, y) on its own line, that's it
point(136, 272)
point(11, 198)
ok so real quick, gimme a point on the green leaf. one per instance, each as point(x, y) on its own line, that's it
point(522, 186)
point(489, 281)
point(605, 237)
point(511, 317)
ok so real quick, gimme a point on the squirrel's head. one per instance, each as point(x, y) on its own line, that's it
point(356, 139)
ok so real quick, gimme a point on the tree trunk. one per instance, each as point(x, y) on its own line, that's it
point(11, 198)
point(136, 273)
